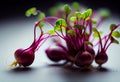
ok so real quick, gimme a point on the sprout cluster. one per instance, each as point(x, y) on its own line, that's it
point(78, 28)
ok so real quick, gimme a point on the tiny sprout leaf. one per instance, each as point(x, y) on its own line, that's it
point(67, 9)
point(71, 32)
point(78, 14)
point(94, 30)
point(76, 5)
point(73, 18)
point(86, 15)
point(112, 26)
point(94, 21)
point(41, 24)
point(57, 28)
point(61, 22)
point(89, 43)
point(51, 32)
point(104, 13)
point(31, 11)
point(89, 12)
point(116, 34)
point(96, 33)
point(41, 16)
point(114, 40)
point(79, 26)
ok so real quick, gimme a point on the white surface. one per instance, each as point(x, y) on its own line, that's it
point(17, 33)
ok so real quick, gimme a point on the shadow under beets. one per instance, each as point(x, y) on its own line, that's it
point(21, 69)
point(75, 73)
point(79, 69)
point(103, 69)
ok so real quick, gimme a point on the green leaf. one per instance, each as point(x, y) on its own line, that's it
point(116, 34)
point(71, 32)
point(83, 16)
point(61, 22)
point(67, 9)
point(78, 14)
point(89, 12)
point(104, 13)
point(89, 43)
point(86, 14)
point(57, 28)
point(76, 5)
point(114, 40)
point(73, 18)
point(41, 24)
point(94, 21)
point(94, 30)
point(87, 18)
point(51, 32)
point(112, 26)
point(31, 11)
point(96, 34)
point(41, 16)
point(79, 26)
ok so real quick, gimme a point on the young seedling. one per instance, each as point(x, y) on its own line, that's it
point(102, 56)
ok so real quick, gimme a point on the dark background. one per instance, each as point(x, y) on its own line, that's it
point(12, 8)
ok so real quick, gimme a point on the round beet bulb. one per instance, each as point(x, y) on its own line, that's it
point(83, 59)
point(24, 57)
point(55, 54)
point(101, 58)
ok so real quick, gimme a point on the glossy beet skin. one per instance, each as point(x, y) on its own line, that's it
point(83, 59)
point(91, 51)
point(24, 57)
point(56, 54)
point(101, 58)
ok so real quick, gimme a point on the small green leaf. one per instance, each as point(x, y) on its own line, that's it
point(61, 22)
point(112, 26)
point(71, 32)
point(96, 34)
point(79, 26)
point(87, 18)
point(31, 11)
point(41, 24)
point(73, 18)
point(116, 34)
point(78, 14)
point(89, 43)
point(57, 28)
point(41, 16)
point(94, 21)
point(94, 30)
point(104, 13)
point(114, 40)
point(76, 5)
point(83, 16)
point(67, 9)
point(89, 12)
point(51, 32)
